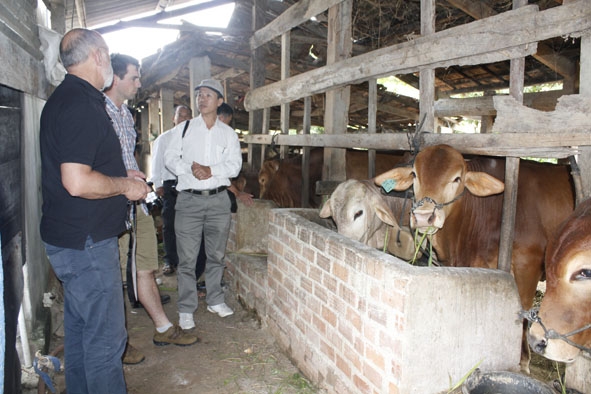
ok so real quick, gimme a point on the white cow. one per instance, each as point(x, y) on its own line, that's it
point(362, 213)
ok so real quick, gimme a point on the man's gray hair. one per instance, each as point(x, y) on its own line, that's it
point(77, 44)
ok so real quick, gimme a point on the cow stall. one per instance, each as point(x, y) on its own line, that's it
point(354, 319)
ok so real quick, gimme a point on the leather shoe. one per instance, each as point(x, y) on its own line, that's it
point(132, 355)
point(176, 336)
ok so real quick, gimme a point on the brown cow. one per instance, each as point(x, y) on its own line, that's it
point(460, 203)
point(281, 180)
point(566, 306)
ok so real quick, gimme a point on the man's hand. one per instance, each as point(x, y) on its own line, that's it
point(136, 189)
point(201, 172)
point(136, 174)
point(160, 191)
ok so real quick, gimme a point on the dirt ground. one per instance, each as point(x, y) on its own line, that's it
point(235, 355)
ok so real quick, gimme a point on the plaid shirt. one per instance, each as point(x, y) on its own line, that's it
point(125, 128)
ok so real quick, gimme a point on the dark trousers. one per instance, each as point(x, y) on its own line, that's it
point(168, 236)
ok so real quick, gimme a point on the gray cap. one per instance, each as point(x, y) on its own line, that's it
point(213, 84)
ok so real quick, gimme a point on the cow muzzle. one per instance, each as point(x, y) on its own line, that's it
point(427, 221)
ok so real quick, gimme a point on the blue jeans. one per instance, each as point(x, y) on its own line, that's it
point(94, 316)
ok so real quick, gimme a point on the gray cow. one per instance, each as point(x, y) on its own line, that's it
point(362, 213)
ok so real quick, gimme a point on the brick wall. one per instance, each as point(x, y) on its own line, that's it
point(355, 320)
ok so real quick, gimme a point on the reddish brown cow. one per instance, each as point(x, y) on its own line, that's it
point(566, 306)
point(281, 180)
point(460, 203)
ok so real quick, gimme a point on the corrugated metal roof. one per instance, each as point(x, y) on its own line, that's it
point(99, 12)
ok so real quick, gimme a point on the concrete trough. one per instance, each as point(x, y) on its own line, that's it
point(356, 320)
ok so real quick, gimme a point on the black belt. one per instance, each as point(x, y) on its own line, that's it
point(206, 192)
point(169, 182)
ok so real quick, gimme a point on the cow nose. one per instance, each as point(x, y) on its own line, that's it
point(538, 345)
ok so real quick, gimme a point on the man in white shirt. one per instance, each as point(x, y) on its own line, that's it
point(203, 160)
point(165, 184)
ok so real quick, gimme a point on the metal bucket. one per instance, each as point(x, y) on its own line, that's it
point(503, 383)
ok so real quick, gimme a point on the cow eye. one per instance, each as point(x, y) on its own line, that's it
point(583, 274)
point(413, 174)
point(357, 214)
point(457, 180)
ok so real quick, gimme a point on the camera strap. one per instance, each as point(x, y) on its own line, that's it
point(185, 129)
point(183, 136)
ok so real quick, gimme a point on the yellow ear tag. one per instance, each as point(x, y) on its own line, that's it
point(388, 185)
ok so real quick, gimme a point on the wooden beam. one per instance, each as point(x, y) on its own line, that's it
point(545, 55)
point(571, 115)
point(295, 15)
point(484, 106)
point(556, 145)
point(473, 43)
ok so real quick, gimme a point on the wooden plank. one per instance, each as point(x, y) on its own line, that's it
point(256, 121)
point(306, 153)
point(484, 106)
point(584, 159)
point(545, 54)
point(558, 145)
point(516, 83)
point(285, 68)
point(571, 114)
point(295, 15)
point(336, 115)
point(427, 75)
point(474, 43)
point(372, 108)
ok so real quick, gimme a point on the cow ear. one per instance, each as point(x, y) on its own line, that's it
point(383, 211)
point(482, 184)
point(402, 177)
point(326, 212)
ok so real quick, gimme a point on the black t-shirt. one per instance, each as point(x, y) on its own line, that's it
point(75, 128)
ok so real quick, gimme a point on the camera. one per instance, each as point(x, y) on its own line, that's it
point(153, 201)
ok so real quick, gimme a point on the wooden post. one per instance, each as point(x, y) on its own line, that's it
point(372, 109)
point(166, 109)
point(199, 69)
point(577, 374)
point(511, 169)
point(257, 79)
point(285, 65)
point(337, 100)
point(427, 76)
point(306, 153)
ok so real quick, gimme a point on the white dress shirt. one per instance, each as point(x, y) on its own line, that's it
point(218, 148)
point(159, 171)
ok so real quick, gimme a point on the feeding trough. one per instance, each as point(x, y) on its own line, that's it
point(503, 383)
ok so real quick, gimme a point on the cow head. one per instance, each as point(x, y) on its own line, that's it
point(439, 178)
point(362, 214)
point(566, 306)
point(268, 169)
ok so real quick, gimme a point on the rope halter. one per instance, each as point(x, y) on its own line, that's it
point(532, 317)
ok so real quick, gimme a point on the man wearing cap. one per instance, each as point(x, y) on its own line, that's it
point(203, 159)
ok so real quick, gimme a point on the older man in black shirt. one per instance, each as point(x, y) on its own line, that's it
point(85, 193)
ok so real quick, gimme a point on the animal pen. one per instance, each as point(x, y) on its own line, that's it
point(352, 318)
